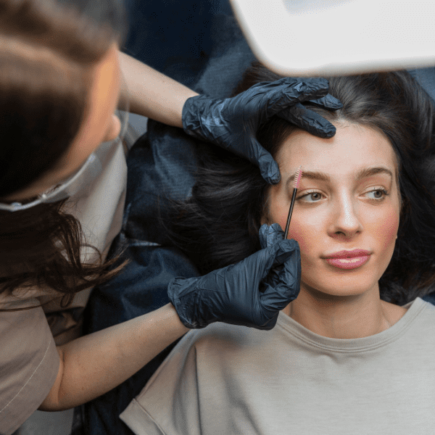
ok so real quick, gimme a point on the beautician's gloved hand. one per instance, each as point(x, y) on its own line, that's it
point(249, 293)
point(232, 123)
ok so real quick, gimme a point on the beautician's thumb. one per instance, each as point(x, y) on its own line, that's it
point(272, 239)
point(284, 271)
point(283, 252)
point(276, 255)
point(270, 235)
point(282, 284)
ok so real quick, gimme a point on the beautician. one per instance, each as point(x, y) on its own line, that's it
point(62, 189)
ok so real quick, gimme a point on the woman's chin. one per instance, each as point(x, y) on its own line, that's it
point(339, 289)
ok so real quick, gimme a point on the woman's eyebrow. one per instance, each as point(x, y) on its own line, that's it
point(368, 172)
point(311, 175)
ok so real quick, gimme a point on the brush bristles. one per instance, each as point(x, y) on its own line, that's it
point(297, 178)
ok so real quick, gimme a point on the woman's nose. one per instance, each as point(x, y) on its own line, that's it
point(345, 221)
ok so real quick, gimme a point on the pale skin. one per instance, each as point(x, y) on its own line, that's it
point(348, 199)
point(92, 365)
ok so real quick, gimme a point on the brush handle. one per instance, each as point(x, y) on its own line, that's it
point(290, 212)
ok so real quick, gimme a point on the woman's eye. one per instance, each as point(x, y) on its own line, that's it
point(311, 197)
point(377, 194)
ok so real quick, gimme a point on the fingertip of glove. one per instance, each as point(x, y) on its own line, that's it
point(274, 179)
point(285, 249)
point(329, 130)
point(270, 324)
point(319, 126)
point(270, 172)
point(290, 243)
point(276, 227)
point(333, 103)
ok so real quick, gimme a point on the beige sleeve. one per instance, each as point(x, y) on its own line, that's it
point(29, 363)
point(66, 324)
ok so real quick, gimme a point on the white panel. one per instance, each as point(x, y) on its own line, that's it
point(309, 37)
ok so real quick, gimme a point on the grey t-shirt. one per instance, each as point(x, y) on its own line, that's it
point(228, 379)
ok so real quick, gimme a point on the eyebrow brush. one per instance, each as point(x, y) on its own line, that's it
point(298, 176)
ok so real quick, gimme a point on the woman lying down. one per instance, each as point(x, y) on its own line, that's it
point(355, 352)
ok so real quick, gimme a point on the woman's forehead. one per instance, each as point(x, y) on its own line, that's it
point(353, 148)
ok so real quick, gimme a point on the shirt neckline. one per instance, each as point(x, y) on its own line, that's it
point(354, 344)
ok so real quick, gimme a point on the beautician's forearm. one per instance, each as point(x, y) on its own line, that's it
point(96, 363)
point(152, 94)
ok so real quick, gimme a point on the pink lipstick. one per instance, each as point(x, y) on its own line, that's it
point(348, 259)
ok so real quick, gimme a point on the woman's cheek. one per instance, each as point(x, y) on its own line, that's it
point(301, 234)
point(296, 231)
point(278, 215)
point(308, 239)
point(385, 229)
point(281, 219)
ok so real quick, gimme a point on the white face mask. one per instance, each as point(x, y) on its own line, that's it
point(79, 181)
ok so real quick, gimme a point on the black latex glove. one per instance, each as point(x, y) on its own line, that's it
point(232, 123)
point(249, 293)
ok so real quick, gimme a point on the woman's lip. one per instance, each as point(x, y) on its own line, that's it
point(349, 262)
point(348, 259)
point(348, 254)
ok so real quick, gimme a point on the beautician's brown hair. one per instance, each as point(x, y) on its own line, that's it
point(48, 49)
point(219, 224)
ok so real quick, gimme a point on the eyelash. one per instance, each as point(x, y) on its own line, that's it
point(384, 194)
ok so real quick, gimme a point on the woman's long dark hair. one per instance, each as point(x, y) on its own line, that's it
point(48, 49)
point(219, 224)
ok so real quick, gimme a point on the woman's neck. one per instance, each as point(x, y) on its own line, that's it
point(343, 316)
